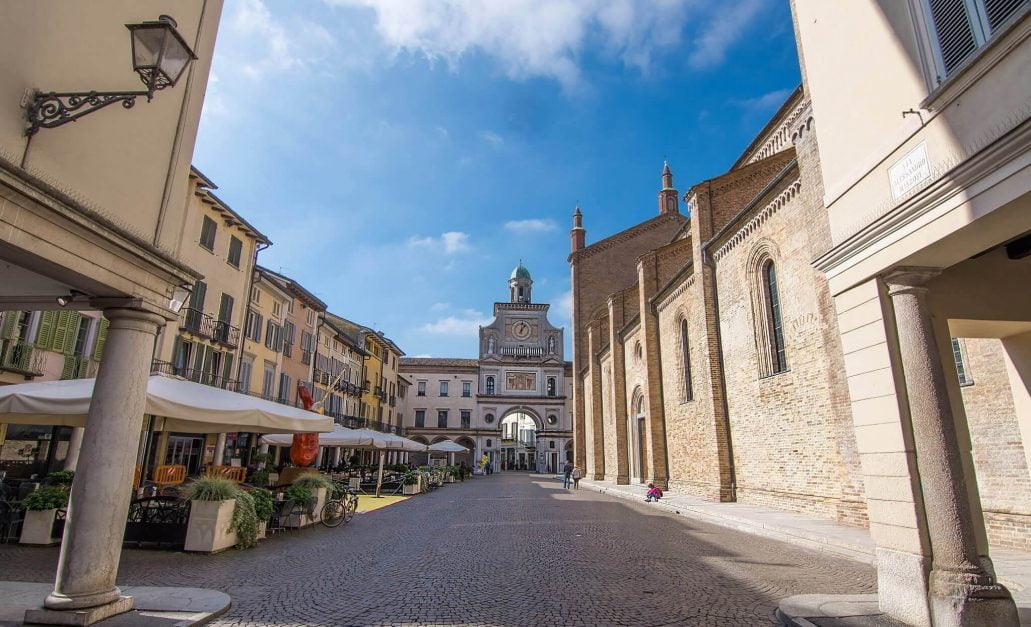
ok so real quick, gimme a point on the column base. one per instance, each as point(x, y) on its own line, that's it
point(84, 616)
point(598, 476)
point(969, 600)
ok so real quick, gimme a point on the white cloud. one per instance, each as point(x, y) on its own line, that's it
point(724, 28)
point(440, 306)
point(467, 322)
point(422, 356)
point(563, 308)
point(492, 138)
point(449, 243)
point(530, 37)
point(765, 102)
point(531, 225)
point(273, 45)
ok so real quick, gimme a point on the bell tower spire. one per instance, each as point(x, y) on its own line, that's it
point(577, 235)
point(668, 202)
point(520, 285)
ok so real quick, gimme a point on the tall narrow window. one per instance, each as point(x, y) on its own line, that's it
point(960, 356)
point(685, 351)
point(466, 418)
point(490, 386)
point(235, 250)
point(442, 418)
point(207, 233)
point(420, 418)
point(551, 386)
point(778, 361)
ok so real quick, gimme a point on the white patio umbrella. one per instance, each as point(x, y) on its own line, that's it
point(448, 446)
point(389, 442)
point(179, 405)
point(339, 436)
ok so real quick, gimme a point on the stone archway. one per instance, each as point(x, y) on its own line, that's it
point(519, 427)
point(419, 459)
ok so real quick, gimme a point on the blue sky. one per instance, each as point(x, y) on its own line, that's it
point(403, 156)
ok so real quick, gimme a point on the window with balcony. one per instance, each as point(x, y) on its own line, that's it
point(207, 233)
point(235, 251)
point(443, 388)
point(268, 381)
point(285, 392)
point(442, 419)
point(420, 418)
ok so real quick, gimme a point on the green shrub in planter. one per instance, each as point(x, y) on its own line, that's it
point(61, 477)
point(260, 477)
point(299, 493)
point(45, 498)
point(411, 477)
point(313, 482)
point(245, 520)
point(212, 489)
point(337, 490)
point(264, 503)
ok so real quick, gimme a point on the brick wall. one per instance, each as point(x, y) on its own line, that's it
point(999, 459)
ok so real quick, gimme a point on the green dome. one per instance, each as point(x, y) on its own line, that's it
point(520, 272)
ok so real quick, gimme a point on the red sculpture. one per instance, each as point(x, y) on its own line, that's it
point(305, 447)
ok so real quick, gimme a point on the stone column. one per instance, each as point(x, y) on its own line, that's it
point(71, 460)
point(220, 450)
point(963, 590)
point(618, 392)
point(263, 449)
point(92, 545)
point(597, 445)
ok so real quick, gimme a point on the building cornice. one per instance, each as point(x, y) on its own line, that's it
point(679, 284)
point(626, 235)
point(758, 217)
point(949, 178)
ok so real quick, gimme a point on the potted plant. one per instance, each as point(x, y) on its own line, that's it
point(60, 478)
point(410, 482)
point(450, 473)
point(212, 504)
point(264, 503)
point(309, 490)
point(40, 512)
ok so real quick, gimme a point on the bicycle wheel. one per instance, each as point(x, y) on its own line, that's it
point(333, 513)
point(350, 508)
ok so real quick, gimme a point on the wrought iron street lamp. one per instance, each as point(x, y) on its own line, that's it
point(159, 55)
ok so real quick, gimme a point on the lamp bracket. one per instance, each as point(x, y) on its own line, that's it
point(52, 109)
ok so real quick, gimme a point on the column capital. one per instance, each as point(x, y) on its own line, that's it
point(135, 319)
point(909, 279)
point(133, 304)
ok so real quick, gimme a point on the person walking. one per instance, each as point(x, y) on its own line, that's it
point(567, 470)
point(576, 477)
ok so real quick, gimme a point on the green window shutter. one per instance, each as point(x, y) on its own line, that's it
point(60, 334)
point(198, 362)
point(10, 320)
point(74, 318)
point(46, 329)
point(98, 347)
point(227, 368)
point(69, 368)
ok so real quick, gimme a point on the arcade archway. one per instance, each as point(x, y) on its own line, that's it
point(519, 429)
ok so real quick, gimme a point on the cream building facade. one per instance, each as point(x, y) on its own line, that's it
point(98, 207)
point(837, 326)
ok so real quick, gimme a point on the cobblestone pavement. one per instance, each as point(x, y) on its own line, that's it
point(509, 549)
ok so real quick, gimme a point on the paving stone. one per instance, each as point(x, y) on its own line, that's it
point(508, 549)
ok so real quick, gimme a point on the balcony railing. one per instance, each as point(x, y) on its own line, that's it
point(22, 358)
point(522, 351)
point(197, 322)
point(197, 376)
point(225, 333)
point(357, 422)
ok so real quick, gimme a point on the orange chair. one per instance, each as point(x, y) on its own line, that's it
point(170, 474)
point(233, 473)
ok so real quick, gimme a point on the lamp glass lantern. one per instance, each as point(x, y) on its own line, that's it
point(159, 53)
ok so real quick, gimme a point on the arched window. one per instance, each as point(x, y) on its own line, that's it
point(778, 359)
point(685, 351)
point(490, 386)
point(551, 386)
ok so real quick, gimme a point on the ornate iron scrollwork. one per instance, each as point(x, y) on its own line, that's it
point(52, 109)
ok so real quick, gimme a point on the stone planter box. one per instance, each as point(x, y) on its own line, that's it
point(261, 530)
point(208, 530)
point(449, 479)
point(38, 528)
point(304, 520)
point(411, 489)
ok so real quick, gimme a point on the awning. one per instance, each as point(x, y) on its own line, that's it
point(339, 436)
point(447, 446)
point(180, 405)
point(392, 442)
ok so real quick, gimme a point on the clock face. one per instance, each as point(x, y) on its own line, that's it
point(521, 330)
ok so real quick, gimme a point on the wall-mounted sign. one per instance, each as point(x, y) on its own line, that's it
point(909, 172)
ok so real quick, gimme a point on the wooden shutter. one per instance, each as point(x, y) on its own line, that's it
point(10, 323)
point(74, 319)
point(956, 39)
point(200, 291)
point(998, 11)
point(98, 347)
point(227, 366)
point(225, 308)
point(46, 329)
point(68, 372)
